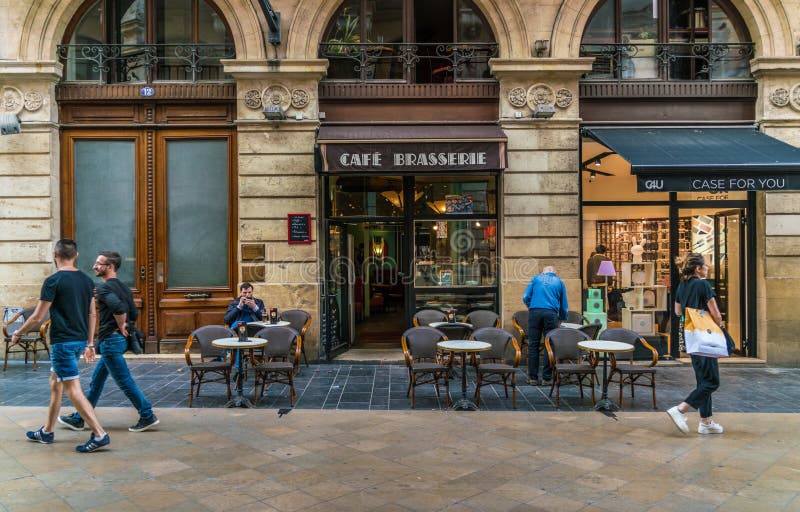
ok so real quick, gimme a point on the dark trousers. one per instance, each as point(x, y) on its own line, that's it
point(540, 321)
point(706, 372)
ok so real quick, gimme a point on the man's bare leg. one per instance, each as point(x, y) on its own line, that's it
point(56, 389)
point(85, 409)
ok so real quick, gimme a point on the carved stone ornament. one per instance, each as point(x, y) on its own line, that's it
point(563, 98)
point(779, 97)
point(276, 94)
point(252, 99)
point(540, 94)
point(517, 97)
point(299, 98)
point(13, 101)
point(33, 101)
point(794, 97)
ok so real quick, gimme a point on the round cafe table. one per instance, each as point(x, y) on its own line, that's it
point(605, 347)
point(570, 326)
point(464, 347)
point(279, 323)
point(234, 344)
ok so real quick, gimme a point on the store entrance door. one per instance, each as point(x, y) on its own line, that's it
point(366, 286)
point(720, 236)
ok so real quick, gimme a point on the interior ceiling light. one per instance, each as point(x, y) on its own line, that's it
point(592, 176)
point(597, 162)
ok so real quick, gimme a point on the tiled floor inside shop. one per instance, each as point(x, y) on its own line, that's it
point(383, 387)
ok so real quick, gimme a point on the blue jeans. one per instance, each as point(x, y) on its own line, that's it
point(112, 363)
point(64, 357)
point(540, 321)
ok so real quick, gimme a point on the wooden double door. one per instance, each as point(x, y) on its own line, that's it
point(165, 200)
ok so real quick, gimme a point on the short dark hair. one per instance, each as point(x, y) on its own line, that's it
point(245, 285)
point(66, 249)
point(600, 249)
point(113, 257)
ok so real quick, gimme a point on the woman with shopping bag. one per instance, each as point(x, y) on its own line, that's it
point(695, 302)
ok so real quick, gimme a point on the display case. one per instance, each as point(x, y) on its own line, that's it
point(619, 236)
point(455, 253)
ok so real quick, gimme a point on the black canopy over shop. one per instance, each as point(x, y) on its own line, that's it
point(690, 159)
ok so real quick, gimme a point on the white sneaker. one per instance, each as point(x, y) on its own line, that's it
point(711, 428)
point(679, 419)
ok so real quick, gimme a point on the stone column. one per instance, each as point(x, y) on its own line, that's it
point(29, 181)
point(778, 217)
point(277, 177)
point(541, 205)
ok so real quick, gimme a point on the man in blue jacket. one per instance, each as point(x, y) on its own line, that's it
point(246, 308)
point(546, 299)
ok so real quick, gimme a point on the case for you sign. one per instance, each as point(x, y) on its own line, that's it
point(712, 183)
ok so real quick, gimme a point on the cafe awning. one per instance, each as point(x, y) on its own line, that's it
point(703, 159)
point(417, 148)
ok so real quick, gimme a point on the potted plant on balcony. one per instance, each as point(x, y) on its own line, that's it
point(338, 47)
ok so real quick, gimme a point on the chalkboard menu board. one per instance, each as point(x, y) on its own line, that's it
point(299, 228)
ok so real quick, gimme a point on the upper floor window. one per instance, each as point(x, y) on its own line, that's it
point(667, 39)
point(442, 42)
point(114, 41)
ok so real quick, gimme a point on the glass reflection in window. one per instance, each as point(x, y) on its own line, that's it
point(378, 196)
point(439, 195)
point(455, 253)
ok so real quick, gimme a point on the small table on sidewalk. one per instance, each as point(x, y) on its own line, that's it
point(279, 323)
point(605, 347)
point(234, 344)
point(465, 347)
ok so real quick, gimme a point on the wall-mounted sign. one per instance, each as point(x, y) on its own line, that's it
point(147, 92)
point(298, 226)
point(421, 156)
point(717, 183)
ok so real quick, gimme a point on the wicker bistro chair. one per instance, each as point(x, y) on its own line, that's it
point(573, 317)
point(520, 322)
point(300, 321)
point(493, 368)
point(198, 371)
point(482, 318)
point(629, 373)
point(565, 356)
point(280, 355)
point(32, 342)
point(423, 317)
point(591, 330)
point(423, 359)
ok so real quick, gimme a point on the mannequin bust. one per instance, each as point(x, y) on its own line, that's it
point(636, 250)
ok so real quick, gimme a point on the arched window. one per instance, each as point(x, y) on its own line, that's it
point(667, 39)
point(146, 40)
point(441, 42)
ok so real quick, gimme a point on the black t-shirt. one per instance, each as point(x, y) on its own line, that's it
point(70, 294)
point(113, 298)
point(694, 293)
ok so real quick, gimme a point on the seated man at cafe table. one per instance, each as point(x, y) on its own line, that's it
point(246, 308)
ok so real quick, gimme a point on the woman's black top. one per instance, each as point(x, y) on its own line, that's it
point(694, 293)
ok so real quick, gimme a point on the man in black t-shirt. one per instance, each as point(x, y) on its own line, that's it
point(116, 307)
point(67, 295)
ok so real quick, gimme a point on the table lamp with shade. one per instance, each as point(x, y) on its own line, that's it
point(606, 270)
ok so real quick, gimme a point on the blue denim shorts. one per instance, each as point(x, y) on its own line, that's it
point(64, 359)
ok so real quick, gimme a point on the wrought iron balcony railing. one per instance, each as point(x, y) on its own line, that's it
point(669, 61)
point(408, 62)
point(144, 63)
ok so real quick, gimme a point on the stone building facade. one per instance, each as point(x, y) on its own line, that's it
point(275, 174)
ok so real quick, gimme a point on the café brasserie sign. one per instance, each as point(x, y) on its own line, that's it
point(445, 156)
point(715, 183)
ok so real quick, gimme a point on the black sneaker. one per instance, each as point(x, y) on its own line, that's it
point(40, 436)
point(144, 424)
point(93, 444)
point(72, 421)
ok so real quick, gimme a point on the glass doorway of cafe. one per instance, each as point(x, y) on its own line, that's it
point(366, 290)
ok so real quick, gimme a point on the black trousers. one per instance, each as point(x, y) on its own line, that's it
point(706, 372)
